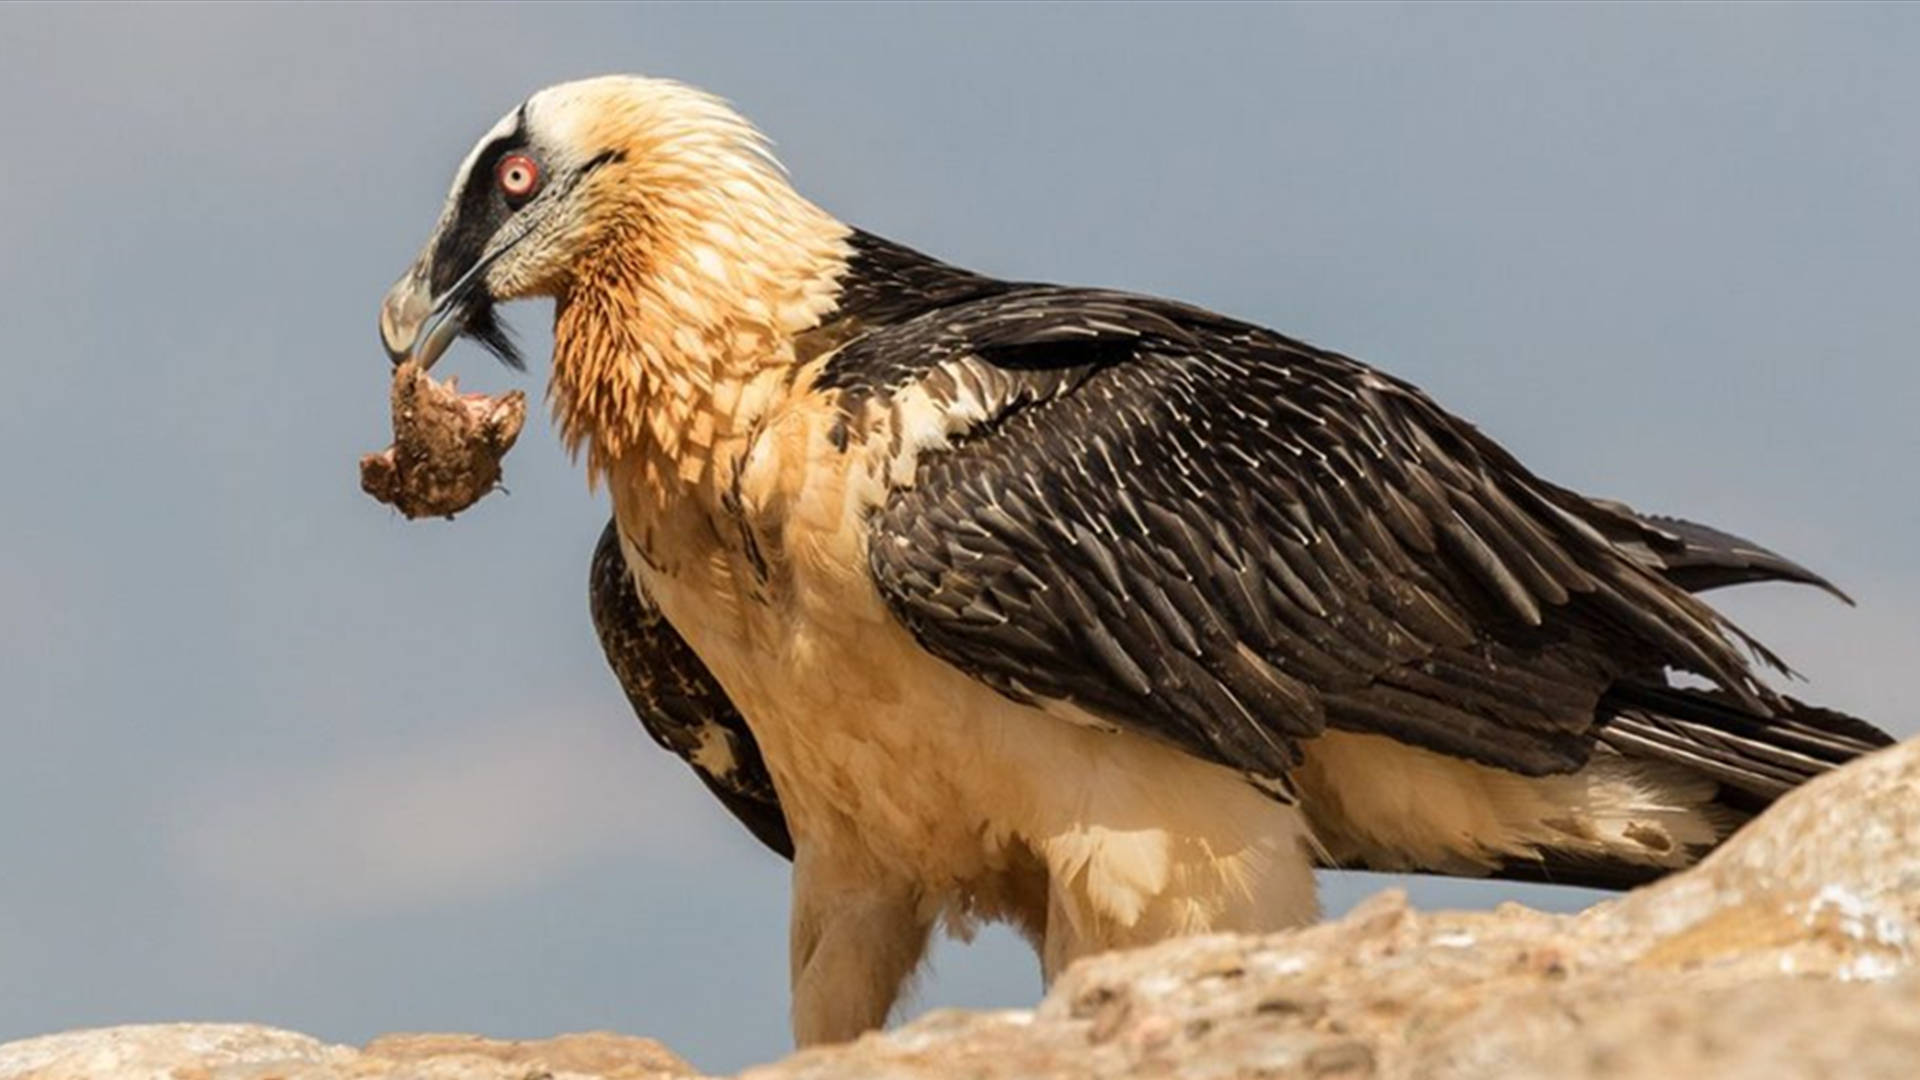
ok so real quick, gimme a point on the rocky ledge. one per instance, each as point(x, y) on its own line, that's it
point(1790, 952)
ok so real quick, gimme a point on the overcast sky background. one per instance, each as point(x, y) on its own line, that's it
point(273, 753)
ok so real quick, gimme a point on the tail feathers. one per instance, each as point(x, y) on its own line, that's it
point(1676, 772)
point(1755, 759)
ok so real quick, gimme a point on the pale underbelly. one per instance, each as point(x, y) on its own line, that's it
point(887, 756)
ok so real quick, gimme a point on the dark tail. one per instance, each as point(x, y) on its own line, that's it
point(1755, 759)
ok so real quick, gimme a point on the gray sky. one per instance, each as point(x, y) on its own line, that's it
point(273, 753)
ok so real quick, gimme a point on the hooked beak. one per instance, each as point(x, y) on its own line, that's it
point(406, 309)
point(416, 325)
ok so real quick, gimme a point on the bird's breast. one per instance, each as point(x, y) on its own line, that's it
point(764, 573)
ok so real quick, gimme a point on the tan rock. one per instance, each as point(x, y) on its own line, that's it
point(250, 1052)
point(594, 1053)
point(172, 1052)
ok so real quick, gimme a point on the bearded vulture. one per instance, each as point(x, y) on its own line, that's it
point(1101, 614)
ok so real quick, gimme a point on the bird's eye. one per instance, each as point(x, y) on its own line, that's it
point(519, 177)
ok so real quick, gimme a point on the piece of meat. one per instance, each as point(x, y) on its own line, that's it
point(447, 445)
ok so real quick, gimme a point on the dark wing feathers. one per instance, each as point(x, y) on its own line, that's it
point(1231, 540)
point(1698, 557)
point(677, 699)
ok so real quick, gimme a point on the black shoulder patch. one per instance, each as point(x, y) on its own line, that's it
point(886, 284)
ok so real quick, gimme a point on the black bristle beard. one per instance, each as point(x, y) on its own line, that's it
point(486, 328)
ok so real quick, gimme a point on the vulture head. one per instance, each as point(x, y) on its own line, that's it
point(647, 203)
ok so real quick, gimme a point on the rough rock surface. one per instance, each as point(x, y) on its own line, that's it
point(1789, 953)
point(447, 446)
point(252, 1052)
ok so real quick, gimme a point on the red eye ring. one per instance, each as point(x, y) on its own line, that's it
point(518, 175)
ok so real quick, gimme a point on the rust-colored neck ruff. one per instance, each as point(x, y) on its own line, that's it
point(676, 330)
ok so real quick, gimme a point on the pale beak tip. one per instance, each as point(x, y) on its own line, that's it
point(402, 313)
point(396, 342)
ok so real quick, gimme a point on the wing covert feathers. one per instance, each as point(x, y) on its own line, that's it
point(677, 699)
point(1232, 540)
point(1206, 532)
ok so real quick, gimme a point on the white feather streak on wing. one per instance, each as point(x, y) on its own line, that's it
point(715, 753)
point(970, 393)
